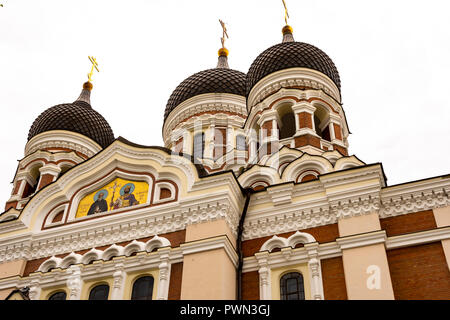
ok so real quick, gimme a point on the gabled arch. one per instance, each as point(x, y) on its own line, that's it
point(72, 258)
point(304, 163)
point(258, 173)
point(155, 243)
point(49, 264)
point(122, 156)
point(133, 247)
point(291, 241)
point(112, 251)
point(347, 163)
point(332, 156)
point(279, 160)
point(91, 255)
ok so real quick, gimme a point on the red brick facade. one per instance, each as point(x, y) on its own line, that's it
point(327, 233)
point(419, 272)
point(407, 223)
point(250, 285)
point(176, 274)
point(333, 279)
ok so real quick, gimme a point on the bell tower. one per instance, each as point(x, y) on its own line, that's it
point(294, 100)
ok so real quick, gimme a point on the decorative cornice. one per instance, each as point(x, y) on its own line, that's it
point(293, 77)
point(210, 102)
point(63, 139)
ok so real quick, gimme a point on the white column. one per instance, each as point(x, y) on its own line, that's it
point(118, 282)
point(308, 108)
point(164, 274)
point(51, 169)
point(35, 290)
point(315, 272)
point(74, 283)
point(265, 288)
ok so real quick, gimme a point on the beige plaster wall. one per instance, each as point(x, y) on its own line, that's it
point(356, 263)
point(5, 292)
point(360, 262)
point(208, 275)
point(209, 229)
point(442, 216)
point(12, 268)
point(360, 224)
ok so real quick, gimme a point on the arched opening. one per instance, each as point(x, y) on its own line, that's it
point(99, 292)
point(321, 122)
point(165, 193)
point(240, 143)
point(292, 287)
point(287, 118)
point(220, 142)
point(35, 175)
point(308, 177)
point(199, 145)
point(255, 139)
point(61, 295)
point(259, 185)
point(64, 168)
point(58, 217)
point(143, 288)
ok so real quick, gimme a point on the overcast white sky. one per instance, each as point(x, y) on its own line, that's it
point(393, 58)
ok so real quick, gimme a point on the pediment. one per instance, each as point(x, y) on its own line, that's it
point(121, 178)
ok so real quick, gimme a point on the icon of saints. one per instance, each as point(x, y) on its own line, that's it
point(126, 199)
point(100, 205)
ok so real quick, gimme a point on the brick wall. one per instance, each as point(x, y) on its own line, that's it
point(407, 223)
point(306, 140)
point(176, 274)
point(327, 233)
point(250, 285)
point(419, 272)
point(333, 279)
point(305, 120)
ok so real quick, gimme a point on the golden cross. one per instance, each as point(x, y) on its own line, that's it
point(224, 33)
point(286, 14)
point(94, 65)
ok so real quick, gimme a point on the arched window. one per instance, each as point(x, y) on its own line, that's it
point(321, 122)
point(199, 145)
point(143, 289)
point(61, 295)
point(240, 142)
point(30, 189)
point(287, 125)
point(99, 292)
point(220, 142)
point(291, 287)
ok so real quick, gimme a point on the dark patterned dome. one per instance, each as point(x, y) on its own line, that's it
point(76, 117)
point(291, 55)
point(217, 80)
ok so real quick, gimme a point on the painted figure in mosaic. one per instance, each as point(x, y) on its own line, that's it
point(126, 198)
point(99, 205)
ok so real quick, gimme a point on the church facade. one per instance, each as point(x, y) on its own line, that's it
point(254, 196)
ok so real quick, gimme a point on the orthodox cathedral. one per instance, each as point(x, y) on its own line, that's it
point(253, 196)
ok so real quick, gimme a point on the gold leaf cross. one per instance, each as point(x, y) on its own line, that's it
point(286, 14)
point(94, 65)
point(224, 33)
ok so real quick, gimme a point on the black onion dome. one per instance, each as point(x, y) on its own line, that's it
point(217, 80)
point(77, 117)
point(287, 55)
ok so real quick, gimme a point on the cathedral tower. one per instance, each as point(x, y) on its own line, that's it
point(294, 99)
point(61, 137)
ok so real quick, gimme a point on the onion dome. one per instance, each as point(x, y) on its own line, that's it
point(221, 79)
point(77, 117)
point(291, 54)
